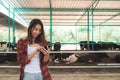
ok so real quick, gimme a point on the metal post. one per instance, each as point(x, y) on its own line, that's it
point(88, 39)
point(9, 28)
point(76, 36)
point(99, 33)
point(50, 25)
point(93, 45)
point(13, 26)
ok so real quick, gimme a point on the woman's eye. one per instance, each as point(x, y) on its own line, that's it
point(36, 29)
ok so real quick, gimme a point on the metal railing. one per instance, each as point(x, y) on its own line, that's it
point(99, 65)
point(72, 51)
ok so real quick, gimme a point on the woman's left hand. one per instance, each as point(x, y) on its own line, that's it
point(46, 52)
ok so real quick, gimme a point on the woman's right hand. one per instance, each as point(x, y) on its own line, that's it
point(34, 53)
point(39, 48)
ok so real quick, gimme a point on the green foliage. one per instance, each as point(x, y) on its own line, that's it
point(3, 36)
point(74, 34)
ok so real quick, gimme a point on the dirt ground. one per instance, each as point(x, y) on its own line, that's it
point(63, 74)
point(72, 78)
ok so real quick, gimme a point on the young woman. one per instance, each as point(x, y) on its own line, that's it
point(32, 54)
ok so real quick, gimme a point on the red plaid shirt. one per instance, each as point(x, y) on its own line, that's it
point(23, 60)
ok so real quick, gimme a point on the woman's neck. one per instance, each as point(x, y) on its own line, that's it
point(34, 44)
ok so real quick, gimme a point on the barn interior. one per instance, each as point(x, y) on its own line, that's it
point(82, 34)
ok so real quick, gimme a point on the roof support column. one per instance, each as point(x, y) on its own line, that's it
point(9, 28)
point(13, 26)
point(88, 26)
point(93, 28)
point(50, 25)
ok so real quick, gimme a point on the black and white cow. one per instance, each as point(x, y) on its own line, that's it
point(92, 57)
point(69, 58)
point(56, 56)
point(92, 45)
point(107, 45)
point(12, 46)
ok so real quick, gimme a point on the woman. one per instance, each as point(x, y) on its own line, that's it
point(32, 54)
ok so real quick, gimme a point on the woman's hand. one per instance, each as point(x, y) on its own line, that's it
point(46, 52)
point(39, 48)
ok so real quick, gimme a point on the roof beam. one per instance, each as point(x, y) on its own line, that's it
point(109, 19)
point(57, 15)
point(63, 10)
point(85, 12)
point(68, 19)
point(59, 24)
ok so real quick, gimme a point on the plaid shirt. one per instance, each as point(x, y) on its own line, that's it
point(23, 60)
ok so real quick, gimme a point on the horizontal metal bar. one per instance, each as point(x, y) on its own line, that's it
point(79, 22)
point(10, 67)
point(84, 66)
point(108, 25)
point(108, 64)
point(85, 52)
point(113, 74)
point(8, 52)
point(65, 19)
point(67, 67)
point(63, 10)
point(60, 15)
point(9, 75)
point(64, 51)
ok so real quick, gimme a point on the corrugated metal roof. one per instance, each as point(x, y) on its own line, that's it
point(72, 12)
point(29, 3)
point(108, 4)
point(72, 4)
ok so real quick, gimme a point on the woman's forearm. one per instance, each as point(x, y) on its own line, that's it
point(46, 58)
point(32, 54)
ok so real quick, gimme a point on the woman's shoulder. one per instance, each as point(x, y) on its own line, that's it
point(23, 39)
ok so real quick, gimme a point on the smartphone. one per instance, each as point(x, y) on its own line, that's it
point(45, 47)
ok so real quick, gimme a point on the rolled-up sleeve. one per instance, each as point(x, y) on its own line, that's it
point(21, 55)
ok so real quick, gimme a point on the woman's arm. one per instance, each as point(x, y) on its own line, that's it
point(32, 54)
point(46, 53)
point(22, 57)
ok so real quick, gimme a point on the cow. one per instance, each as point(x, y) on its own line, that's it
point(10, 57)
point(91, 45)
point(117, 58)
point(3, 58)
point(60, 57)
point(3, 46)
point(12, 46)
point(69, 57)
point(98, 46)
point(107, 45)
point(92, 57)
point(56, 56)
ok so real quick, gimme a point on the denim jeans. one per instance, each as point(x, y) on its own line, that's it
point(32, 76)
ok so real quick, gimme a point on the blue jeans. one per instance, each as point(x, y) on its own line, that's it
point(32, 76)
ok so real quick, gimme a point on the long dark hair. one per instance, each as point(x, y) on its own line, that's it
point(41, 37)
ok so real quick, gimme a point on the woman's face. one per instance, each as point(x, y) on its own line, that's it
point(36, 31)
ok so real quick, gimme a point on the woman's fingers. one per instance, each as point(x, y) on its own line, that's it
point(39, 48)
point(44, 51)
point(48, 48)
